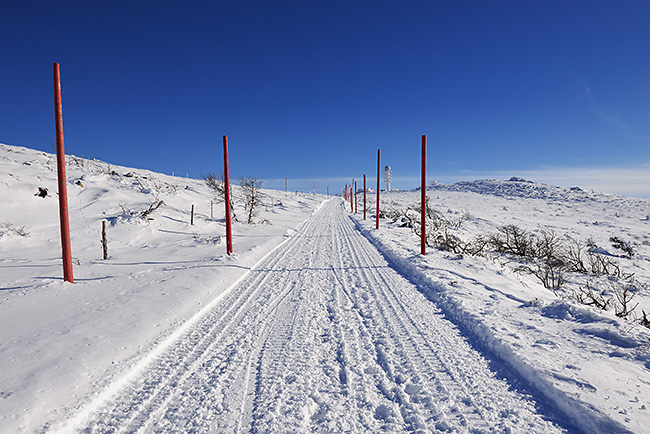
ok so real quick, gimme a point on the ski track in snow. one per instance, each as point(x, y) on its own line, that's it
point(321, 336)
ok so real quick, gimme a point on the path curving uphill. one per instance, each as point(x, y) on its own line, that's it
point(321, 336)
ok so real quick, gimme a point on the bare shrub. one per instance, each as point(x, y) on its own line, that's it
point(152, 207)
point(215, 182)
point(573, 256)
point(549, 271)
point(600, 265)
point(644, 320)
point(251, 189)
point(624, 293)
point(8, 228)
point(513, 240)
point(624, 246)
point(587, 296)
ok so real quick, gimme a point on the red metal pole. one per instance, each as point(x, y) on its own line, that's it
point(423, 188)
point(352, 196)
point(226, 181)
point(63, 191)
point(364, 196)
point(378, 164)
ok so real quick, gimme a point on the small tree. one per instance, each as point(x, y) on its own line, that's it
point(252, 195)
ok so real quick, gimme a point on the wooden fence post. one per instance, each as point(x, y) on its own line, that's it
point(104, 240)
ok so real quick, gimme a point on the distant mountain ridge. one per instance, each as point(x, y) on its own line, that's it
point(519, 187)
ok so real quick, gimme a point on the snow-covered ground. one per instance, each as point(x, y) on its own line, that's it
point(60, 343)
point(318, 323)
point(590, 363)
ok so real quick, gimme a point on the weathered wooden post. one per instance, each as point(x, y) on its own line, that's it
point(104, 240)
point(192, 216)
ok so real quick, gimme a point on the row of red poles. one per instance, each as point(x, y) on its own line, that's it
point(63, 195)
point(351, 194)
point(63, 191)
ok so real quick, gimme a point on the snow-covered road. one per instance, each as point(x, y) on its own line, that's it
point(322, 335)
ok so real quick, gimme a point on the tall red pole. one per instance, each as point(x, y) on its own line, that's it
point(423, 189)
point(364, 196)
point(226, 181)
point(378, 164)
point(63, 191)
point(352, 196)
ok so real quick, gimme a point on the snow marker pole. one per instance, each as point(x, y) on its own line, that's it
point(226, 181)
point(364, 196)
point(423, 188)
point(352, 196)
point(63, 191)
point(356, 199)
point(378, 164)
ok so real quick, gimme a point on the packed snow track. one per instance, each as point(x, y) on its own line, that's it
point(322, 335)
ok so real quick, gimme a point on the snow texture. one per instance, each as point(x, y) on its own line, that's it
point(318, 323)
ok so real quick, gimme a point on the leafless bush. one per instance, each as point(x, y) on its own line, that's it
point(215, 182)
point(251, 189)
point(152, 207)
point(8, 228)
point(619, 244)
point(587, 296)
point(218, 183)
point(513, 240)
point(573, 256)
point(550, 271)
point(645, 322)
point(601, 265)
point(624, 292)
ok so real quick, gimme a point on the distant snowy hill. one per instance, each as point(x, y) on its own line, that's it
point(519, 187)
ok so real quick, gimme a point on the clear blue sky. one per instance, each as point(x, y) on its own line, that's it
point(310, 90)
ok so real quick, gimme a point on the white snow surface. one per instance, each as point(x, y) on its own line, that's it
point(318, 322)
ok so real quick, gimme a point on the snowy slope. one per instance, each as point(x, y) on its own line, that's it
point(589, 362)
point(59, 342)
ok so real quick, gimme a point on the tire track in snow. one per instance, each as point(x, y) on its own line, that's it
point(320, 336)
point(214, 342)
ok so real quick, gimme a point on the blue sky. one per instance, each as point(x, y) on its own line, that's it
point(308, 90)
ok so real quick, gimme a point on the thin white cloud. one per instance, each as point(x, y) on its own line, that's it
point(610, 119)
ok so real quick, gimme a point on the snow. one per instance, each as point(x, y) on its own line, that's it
point(318, 323)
